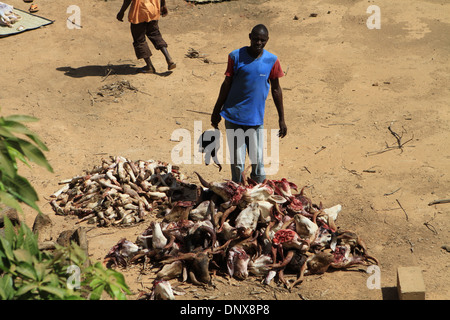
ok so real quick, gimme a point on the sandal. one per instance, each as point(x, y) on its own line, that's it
point(28, 1)
point(33, 8)
point(171, 66)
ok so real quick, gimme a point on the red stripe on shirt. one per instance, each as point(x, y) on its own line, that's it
point(276, 71)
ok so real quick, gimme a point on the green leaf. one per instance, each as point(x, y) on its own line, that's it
point(6, 287)
point(4, 265)
point(96, 283)
point(6, 248)
point(10, 201)
point(10, 233)
point(20, 188)
point(26, 288)
point(6, 162)
point(27, 270)
point(23, 255)
point(59, 292)
point(96, 293)
point(17, 127)
point(40, 270)
point(115, 292)
point(32, 152)
point(20, 118)
point(16, 154)
point(120, 281)
point(77, 255)
point(38, 141)
point(51, 279)
point(30, 242)
point(5, 132)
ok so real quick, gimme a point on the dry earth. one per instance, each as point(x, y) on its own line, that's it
point(344, 85)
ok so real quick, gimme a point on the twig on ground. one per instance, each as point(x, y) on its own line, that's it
point(341, 124)
point(143, 92)
point(402, 209)
point(302, 297)
point(107, 75)
point(352, 171)
point(202, 112)
point(321, 148)
point(92, 98)
point(391, 193)
point(398, 139)
point(430, 227)
point(439, 201)
point(75, 24)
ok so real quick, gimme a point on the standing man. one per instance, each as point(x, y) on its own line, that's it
point(144, 16)
point(250, 73)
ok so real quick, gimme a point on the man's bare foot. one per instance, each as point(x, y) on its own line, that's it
point(171, 65)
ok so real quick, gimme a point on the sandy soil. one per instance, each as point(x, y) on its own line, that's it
point(344, 86)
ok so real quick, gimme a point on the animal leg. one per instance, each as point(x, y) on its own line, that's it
point(300, 278)
point(282, 278)
point(285, 262)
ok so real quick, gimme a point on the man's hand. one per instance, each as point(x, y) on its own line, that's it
point(215, 119)
point(164, 11)
point(283, 129)
point(120, 16)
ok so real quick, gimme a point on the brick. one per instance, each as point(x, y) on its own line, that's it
point(410, 284)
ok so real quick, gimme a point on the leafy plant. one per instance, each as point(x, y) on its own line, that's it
point(13, 187)
point(102, 280)
point(29, 273)
point(25, 271)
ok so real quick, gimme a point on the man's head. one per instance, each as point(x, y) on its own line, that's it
point(258, 38)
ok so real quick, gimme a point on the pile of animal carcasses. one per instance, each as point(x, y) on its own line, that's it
point(121, 191)
point(264, 229)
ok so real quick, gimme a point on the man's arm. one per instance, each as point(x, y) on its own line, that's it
point(125, 5)
point(223, 94)
point(277, 95)
point(164, 10)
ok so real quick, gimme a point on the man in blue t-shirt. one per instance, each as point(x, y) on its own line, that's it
point(250, 73)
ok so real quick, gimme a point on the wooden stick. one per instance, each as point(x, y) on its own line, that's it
point(107, 75)
point(402, 209)
point(202, 112)
point(430, 227)
point(388, 194)
point(321, 148)
point(92, 98)
point(439, 201)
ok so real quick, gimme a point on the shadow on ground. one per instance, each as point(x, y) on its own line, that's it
point(104, 71)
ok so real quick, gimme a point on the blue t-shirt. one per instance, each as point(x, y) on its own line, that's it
point(246, 100)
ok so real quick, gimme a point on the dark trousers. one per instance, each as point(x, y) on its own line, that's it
point(151, 30)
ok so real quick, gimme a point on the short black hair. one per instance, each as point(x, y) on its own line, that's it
point(260, 27)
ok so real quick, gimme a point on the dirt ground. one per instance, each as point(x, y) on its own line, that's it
point(345, 84)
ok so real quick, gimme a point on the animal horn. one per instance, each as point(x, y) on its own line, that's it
point(204, 183)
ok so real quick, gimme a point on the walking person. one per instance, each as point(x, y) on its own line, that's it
point(251, 72)
point(143, 17)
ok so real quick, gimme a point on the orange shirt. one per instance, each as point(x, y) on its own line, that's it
point(144, 11)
